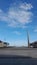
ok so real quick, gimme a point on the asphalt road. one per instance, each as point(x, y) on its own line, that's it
point(31, 52)
point(18, 56)
point(17, 60)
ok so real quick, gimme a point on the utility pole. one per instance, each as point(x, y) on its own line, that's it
point(28, 39)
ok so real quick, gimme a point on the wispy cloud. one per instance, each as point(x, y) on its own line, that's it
point(16, 32)
point(35, 30)
point(19, 43)
point(26, 6)
point(17, 16)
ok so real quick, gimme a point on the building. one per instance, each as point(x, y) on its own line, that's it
point(3, 44)
point(33, 44)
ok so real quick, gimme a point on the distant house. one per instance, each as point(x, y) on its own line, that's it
point(34, 44)
point(6, 44)
point(3, 44)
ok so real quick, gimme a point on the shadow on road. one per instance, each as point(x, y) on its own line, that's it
point(17, 60)
point(15, 56)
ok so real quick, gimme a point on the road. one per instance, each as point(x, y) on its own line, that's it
point(30, 52)
point(18, 56)
point(5, 60)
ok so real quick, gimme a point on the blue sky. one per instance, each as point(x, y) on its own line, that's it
point(16, 18)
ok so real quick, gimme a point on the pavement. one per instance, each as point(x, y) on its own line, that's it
point(17, 60)
point(30, 52)
point(18, 56)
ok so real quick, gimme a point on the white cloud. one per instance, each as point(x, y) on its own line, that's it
point(26, 6)
point(17, 16)
point(35, 30)
point(16, 32)
point(19, 43)
point(1, 11)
